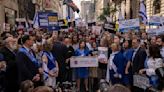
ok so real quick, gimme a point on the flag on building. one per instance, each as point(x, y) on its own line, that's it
point(142, 12)
point(71, 4)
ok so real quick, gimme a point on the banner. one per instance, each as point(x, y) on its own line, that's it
point(141, 81)
point(48, 20)
point(160, 31)
point(152, 32)
point(103, 54)
point(155, 32)
point(162, 21)
point(131, 24)
point(87, 61)
point(110, 27)
point(96, 30)
point(155, 20)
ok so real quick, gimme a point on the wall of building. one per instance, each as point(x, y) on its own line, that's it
point(8, 12)
point(149, 6)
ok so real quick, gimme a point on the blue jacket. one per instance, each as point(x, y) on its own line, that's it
point(120, 62)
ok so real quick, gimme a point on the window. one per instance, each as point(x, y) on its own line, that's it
point(156, 6)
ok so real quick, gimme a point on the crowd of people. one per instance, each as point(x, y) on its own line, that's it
point(42, 57)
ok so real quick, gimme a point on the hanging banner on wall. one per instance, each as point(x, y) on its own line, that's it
point(155, 20)
point(131, 24)
point(48, 20)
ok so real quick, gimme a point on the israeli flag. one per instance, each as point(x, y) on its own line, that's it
point(36, 21)
point(142, 12)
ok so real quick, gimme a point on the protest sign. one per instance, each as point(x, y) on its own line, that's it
point(155, 20)
point(103, 54)
point(96, 30)
point(141, 81)
point(48, 20)
point(131, 24)
point(85, 61)
point(155, 32)
point(110, 27)
point(63, 23)
point(152, 32)
point(160, 31)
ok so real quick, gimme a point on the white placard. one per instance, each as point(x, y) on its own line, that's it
point(86, 61)
point(160, 31)
point(157, 31)
point(141, 81)
point(128, 24)
point(155, 20)
point(162, 20)
point(152, 32)
point(103, 54)
point(96, 30)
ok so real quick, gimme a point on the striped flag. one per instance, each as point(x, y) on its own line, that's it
point(142, 12)
point(36, 21)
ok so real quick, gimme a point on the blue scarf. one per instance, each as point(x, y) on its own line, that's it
point(30, 56)
point(51, 60)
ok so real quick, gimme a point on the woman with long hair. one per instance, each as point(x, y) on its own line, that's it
point(153, 62)
point(82, 72)
point(50, 65)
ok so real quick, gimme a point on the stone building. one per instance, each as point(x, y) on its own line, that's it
point(8, 12)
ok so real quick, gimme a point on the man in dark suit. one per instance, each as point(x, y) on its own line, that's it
point(28, 65)
point(59, 51)
point(139, 56)
point(70, 52)
point(138, 60)
point(11, 75)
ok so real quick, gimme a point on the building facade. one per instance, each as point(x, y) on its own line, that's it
point(26, 9)
point(8, 12)
point(155, 7)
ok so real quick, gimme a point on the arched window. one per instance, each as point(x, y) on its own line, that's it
point(156, 6)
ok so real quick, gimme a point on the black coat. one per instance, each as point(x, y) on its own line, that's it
point(59, 51)
point(27, 69)
point(11, 70)
point(139, 60)
point(2, 81)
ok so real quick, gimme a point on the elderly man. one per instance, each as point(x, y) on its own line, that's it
point(8, 52)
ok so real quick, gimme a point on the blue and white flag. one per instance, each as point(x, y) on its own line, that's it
point(36, 21)
point(142, 12)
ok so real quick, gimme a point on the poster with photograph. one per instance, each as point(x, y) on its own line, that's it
point(103, 55)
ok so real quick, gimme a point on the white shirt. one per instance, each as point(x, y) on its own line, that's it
point(153, 64)
point(134, 53)
point(89, 45)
